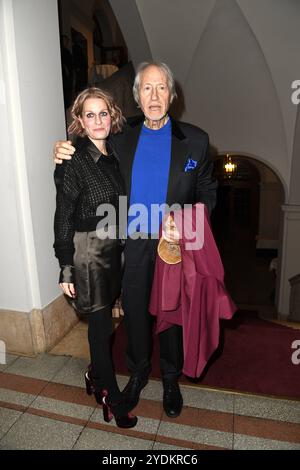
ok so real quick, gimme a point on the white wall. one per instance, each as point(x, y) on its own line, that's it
point(35, 118)
point(13, 286)
point(275, 26)
point(295, 171)
point(174, 30)
point(229, 91)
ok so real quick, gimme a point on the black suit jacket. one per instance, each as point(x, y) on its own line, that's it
point(188, 142)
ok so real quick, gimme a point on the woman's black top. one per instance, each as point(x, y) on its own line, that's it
point(83, 183)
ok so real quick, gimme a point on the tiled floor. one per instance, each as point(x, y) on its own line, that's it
point(43, 405)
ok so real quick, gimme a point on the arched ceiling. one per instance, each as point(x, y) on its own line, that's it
point(235, 61)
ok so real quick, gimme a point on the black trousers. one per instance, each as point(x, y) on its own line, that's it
point(140, 258)
point(99, 336)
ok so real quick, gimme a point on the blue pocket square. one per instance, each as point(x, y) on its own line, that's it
point(190, 165)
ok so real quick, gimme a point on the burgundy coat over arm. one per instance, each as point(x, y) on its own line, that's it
point(192, 293)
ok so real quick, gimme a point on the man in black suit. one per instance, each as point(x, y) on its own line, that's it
point(163, 161)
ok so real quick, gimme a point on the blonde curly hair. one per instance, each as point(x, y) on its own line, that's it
point(117, 118)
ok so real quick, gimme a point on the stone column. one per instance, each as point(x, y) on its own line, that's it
point(31, 120)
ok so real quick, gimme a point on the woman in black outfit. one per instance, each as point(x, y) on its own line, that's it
point(91, 266)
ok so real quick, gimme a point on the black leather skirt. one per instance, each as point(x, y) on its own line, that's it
point(97, 271)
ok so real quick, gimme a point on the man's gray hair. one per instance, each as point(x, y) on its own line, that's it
point(162, 66)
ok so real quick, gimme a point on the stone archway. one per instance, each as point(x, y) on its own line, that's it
point(246, 222)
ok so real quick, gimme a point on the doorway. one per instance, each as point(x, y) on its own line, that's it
point(246, 227)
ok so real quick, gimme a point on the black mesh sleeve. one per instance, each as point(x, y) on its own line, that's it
point(67, 194)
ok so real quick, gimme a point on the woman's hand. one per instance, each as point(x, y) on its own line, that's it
point(63, 150)
point(68, 289)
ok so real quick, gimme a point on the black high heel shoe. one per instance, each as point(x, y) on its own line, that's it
point(90, 387)
point(122, 421)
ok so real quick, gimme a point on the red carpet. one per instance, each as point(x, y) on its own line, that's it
point(254, 356)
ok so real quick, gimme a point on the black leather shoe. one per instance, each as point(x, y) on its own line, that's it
point(172, 399)
point(133, 389)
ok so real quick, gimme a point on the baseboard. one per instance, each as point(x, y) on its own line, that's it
point(30, 333)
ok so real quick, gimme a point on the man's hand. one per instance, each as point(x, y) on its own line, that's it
point(170, 232)
point(63, 150)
